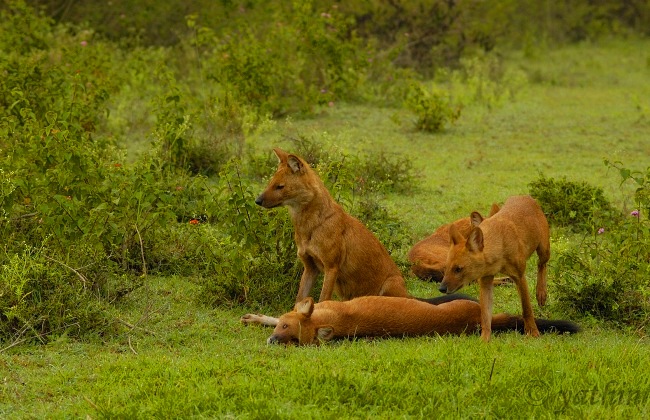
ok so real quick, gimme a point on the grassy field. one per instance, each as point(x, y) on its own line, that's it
point(176, 359)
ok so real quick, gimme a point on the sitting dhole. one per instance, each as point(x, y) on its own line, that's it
point(329, 240)
point(429, 256)
point(501, 244)
point(383, 316)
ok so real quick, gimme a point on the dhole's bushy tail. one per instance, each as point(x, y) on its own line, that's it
point(505, 322)
point(446, 298)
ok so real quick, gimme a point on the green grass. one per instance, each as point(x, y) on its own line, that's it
point(583, 103)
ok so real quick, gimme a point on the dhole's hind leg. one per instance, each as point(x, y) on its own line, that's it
point(268, 321)
point(544, 254)
point(394, 286)
point(530, 327)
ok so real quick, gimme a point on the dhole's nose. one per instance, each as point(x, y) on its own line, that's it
point(272, 339)
point(259, 200)
point(443, 287)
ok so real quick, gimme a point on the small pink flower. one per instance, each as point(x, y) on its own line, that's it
point(323, 90)
point(635, 213)
point(331, 103)
point(601, 231)
point(84, 43)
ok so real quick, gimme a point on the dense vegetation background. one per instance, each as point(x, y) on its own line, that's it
point(130, 136)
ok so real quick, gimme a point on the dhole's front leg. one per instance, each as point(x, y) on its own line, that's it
point(485, 300)
point(530, 327)
point(329, 281)
point(309, 275)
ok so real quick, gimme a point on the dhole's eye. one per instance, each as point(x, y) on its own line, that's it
point(458, 269)
point(279, 187)
point(285, 326)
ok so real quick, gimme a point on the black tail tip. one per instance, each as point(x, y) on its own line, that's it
point(558, 326)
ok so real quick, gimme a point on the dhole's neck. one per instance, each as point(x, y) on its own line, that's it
point(492, 246)
point(332, 313)
point(310, 213)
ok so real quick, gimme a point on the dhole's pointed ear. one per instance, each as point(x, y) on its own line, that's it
point(475, 240)
point(476, 218)
point(295, 163)
point(494, 209)
point(455, 235)
point(325, 333)
point(281, 155)
point(305, 307)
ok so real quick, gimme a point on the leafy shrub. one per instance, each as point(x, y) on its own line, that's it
point(256, 253)
point(483, 79)
point(608, 275)
point(303, 57)
point(77, 220)
point(434, 109)
point(577, 205)
point(41, 296)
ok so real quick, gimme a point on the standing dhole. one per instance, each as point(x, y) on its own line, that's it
point(329, 240)
point(501, 244)
point(429, 256)
point(384, 316)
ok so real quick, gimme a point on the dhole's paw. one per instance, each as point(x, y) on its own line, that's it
point(541, 298)
point(532, 332)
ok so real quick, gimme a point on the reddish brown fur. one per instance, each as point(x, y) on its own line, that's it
point(501, 244)
point(329, 240)
point(429, 256)
point(382, 316)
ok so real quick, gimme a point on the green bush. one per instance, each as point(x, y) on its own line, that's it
point(608, 275)
point(255, 254)
point(78, 221)
point(433, 108)
point(577, 205)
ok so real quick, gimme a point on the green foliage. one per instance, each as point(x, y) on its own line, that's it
point(433, 108)
point(68, 192)
point(577, 205)
point(484, 80)
point(40, 296)
point(303, 57)
point(608, 275)
point(255, 257)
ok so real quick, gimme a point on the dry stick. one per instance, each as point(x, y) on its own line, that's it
point(23, 216)
point(492, 370)
point(131, 347)
point(17, 342)
point(144, 263)
point(84, 280)
point(134, 327)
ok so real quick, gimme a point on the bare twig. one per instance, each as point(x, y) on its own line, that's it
point(144, 263)
point(39, 336)
point(24, 216)
point(83, 279)
point(134, 327)
point(492, 370)
point(131, 347)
